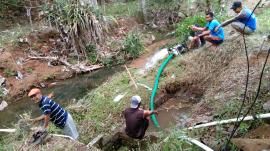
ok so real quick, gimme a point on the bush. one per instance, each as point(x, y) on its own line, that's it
point(133, 45)
point(80, 24)
point(182, 29)
point(91, 53)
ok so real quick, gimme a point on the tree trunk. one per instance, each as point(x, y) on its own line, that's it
point(143, 10)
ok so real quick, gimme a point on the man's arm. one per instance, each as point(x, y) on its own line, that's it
point(38, 118)
point(195, 28)
point(204, 33)
point(46, 120)
point(227, 22)
point(147, 113)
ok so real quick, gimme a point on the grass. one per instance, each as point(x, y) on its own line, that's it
point(263, 22)
point(120, 9)
point(12, 35)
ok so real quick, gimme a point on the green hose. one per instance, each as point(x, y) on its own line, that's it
point(152, 99)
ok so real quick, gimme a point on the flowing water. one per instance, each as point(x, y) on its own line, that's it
point(71, 90)
point(65, 92)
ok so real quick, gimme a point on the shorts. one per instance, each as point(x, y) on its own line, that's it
point(217, 42)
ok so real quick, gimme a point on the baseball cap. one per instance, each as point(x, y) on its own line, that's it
point(236, 4)
point(135, 101)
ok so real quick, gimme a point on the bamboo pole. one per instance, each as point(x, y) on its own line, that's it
point(132, 79)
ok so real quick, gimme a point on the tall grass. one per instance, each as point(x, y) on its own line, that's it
point(12, 35)
point(80, 25)
point(120, 9)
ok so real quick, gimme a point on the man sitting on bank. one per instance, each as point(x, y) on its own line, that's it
point(137, 119)
point(243, 18)
point(208, 32)
point(53, 112)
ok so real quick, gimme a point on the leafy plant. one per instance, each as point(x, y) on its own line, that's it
point(133, 45)
point(9, 73)
point(80, 24)
point(243, 128)
point(183, 30)
point(91, 53)
point(29, 70)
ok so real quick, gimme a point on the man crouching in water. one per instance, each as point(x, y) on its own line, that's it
point(52, 111)
point(137, 119)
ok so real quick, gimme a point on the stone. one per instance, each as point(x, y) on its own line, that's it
point(181, 15)
point(2, 80)
point(266, 106)
point(19, 75)
point(3, 105)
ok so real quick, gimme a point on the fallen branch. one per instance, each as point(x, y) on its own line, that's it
point(77, 68)
point(43, 58)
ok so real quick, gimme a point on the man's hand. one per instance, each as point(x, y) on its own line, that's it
point(32, 121)
point(192, 27)
point(196, 37)
point(155, 112)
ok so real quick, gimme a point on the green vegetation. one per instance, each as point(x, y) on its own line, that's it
point(91, 53)
point(183, 30)
point(6, 4)
point(133, 46)
point(9, 73)
point(162, 4)
point(29, 70)
point(13, 35)
point(1, 93)
point(120, 9)
point(264, 21)
point(81, 23)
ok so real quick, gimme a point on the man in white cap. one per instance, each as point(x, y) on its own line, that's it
point(137, 119)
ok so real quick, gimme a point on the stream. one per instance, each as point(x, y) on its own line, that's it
point(65, 92)
point(71, 90)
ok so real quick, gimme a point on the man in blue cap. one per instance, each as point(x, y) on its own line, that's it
point(137, 119)
point(244, 18)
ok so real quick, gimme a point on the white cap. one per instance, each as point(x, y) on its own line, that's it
point(135, 101)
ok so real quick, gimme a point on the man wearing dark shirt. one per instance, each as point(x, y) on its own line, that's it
point(137, 119)
point(53, 112)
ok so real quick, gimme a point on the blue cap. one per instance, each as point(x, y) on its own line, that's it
point(236, 4)
point(135, 101)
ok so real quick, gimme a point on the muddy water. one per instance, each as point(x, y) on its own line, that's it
point(172, 113)
point(65, 93)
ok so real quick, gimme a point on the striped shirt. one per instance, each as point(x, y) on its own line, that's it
point(57, 114)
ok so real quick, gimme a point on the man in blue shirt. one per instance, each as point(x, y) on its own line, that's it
point(208, 32)
point(243, 18)
point(53, 112)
